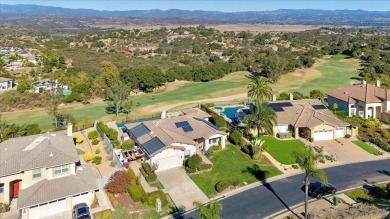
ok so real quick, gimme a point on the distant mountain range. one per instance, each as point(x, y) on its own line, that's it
point(282, 16)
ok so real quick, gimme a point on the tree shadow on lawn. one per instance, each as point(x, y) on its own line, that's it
point(261, 176)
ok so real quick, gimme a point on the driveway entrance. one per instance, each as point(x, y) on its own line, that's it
point(181, 188)
point(345, 150)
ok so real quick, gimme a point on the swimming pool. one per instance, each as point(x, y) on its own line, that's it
point(230, 111)
point(65, 92)
point(122, 125)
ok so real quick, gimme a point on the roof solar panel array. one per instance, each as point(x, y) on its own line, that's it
point(181, 124)
point(318, 107)
point(278, 105)
point(139, 130)
point(152, 145)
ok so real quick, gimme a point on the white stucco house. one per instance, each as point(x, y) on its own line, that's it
point(42, 175)
point(365, 100)
point(5, 84)
point(167, 142)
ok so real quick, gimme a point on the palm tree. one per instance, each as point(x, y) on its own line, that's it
point(307, 161)
point(262, 118)
point(210, 211)
point(259, 89)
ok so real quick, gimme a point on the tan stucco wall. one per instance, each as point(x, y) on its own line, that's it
point(323, 127)
point(167, 153)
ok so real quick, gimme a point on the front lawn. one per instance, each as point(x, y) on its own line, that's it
point(376, 195)
point(363, 145)
point(230, 163)
point(281, 150)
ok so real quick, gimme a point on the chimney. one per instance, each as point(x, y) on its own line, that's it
point(291, 96)
point(377, 83)
point(163, 114)
point(70, 130)
point(273, 97)
point(364, 82)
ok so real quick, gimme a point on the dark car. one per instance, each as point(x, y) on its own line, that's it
point(319, 189)
point(81, 211)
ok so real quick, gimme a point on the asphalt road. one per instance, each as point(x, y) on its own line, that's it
point(279, 195)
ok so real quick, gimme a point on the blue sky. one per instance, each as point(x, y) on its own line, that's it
point(216, 5)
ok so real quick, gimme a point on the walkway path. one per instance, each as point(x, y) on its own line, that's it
point(216, 99)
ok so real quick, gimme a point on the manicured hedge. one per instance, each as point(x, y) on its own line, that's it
point(190, 170)
point(218, 121)
point(224, 184)
point(284, 135)
point(111, 133)
point(137, 192)
point(151, 200)
point(150, 175)
point(194, 161)
point(128, 144)
point(385, 146)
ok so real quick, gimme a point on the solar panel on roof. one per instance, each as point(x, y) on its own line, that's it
point(153, 145)
point(318, 107)
point(139, 130)
point(181, 124)
point(283, 104)
point(278, 109)
point(187, 128)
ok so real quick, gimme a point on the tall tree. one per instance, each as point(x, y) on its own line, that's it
point(116, 95)
point(109, 76)
point(210, 211)
point(259, 89)
point(52, 107)
point(262, 118)
point(307, 161)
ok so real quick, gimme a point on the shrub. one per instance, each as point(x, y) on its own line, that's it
point(294, 166)
point(106, 214)
point(385, 133)
point(283, 135)
point(133, 177)
point(388, 190)
point(209, 105)
point(151, 178)
point(247, 149)
point(111, 133)
point(347, 136)
point(190, 170)
point(137, 192)
point(151, 200)
point(376, 135)
point(79, 139)
point(216, 147)
point(115, 143)
point(95, 141)
point(209, 152)
point(235, 137)
point(97, 151)
point(119, 182)
point(93, 134)
point(4, 207)
point(205, 166)
point(146, 167)
point(218, 121)
point(97, 160)
point(150, 175)
point(194, 161)
point(364, 140)
point(128, 144)
point(88, 156)
point(143, 172)
point(223, 184)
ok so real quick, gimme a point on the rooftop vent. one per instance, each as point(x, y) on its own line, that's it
point(51, 154)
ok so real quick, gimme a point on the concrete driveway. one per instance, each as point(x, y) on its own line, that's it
point(181, 188)
point(346, 151)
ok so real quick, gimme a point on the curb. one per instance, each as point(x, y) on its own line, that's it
point(280, 213)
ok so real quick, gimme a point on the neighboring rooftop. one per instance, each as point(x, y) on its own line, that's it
point(36, 151)
point(48, 190)
point(45, 82)
point(361, 92)
point(4, 79)
point(304, 113)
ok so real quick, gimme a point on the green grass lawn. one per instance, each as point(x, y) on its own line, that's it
point(233, 163)
point(375, 195)
point(281, 150)
point(335, 72)
point(363, 145)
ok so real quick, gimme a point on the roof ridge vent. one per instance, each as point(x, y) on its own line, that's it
point(51, 154)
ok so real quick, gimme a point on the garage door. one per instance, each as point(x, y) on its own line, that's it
point(168, 163)
point(48, 209)
point(323, 135)
point(82, 198)
point(339, 133)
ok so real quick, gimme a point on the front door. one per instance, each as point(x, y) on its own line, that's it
point(14, 187)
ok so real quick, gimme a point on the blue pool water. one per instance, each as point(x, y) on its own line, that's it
point(230, 111)
point(122, 125)
point(218, 108)
point(65, 92)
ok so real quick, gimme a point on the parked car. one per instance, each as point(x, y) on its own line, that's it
point(81, 211)
point(319, 189)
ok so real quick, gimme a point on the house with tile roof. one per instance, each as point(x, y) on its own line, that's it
point(167, 142)
point(365, 100)
point(42, 174)
point(308, 117)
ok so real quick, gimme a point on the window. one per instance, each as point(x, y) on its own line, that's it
point(361, 113)
point(61, 169)
point(353, 111)
point(36, 173)
point(1, 188)
point(187, 154)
